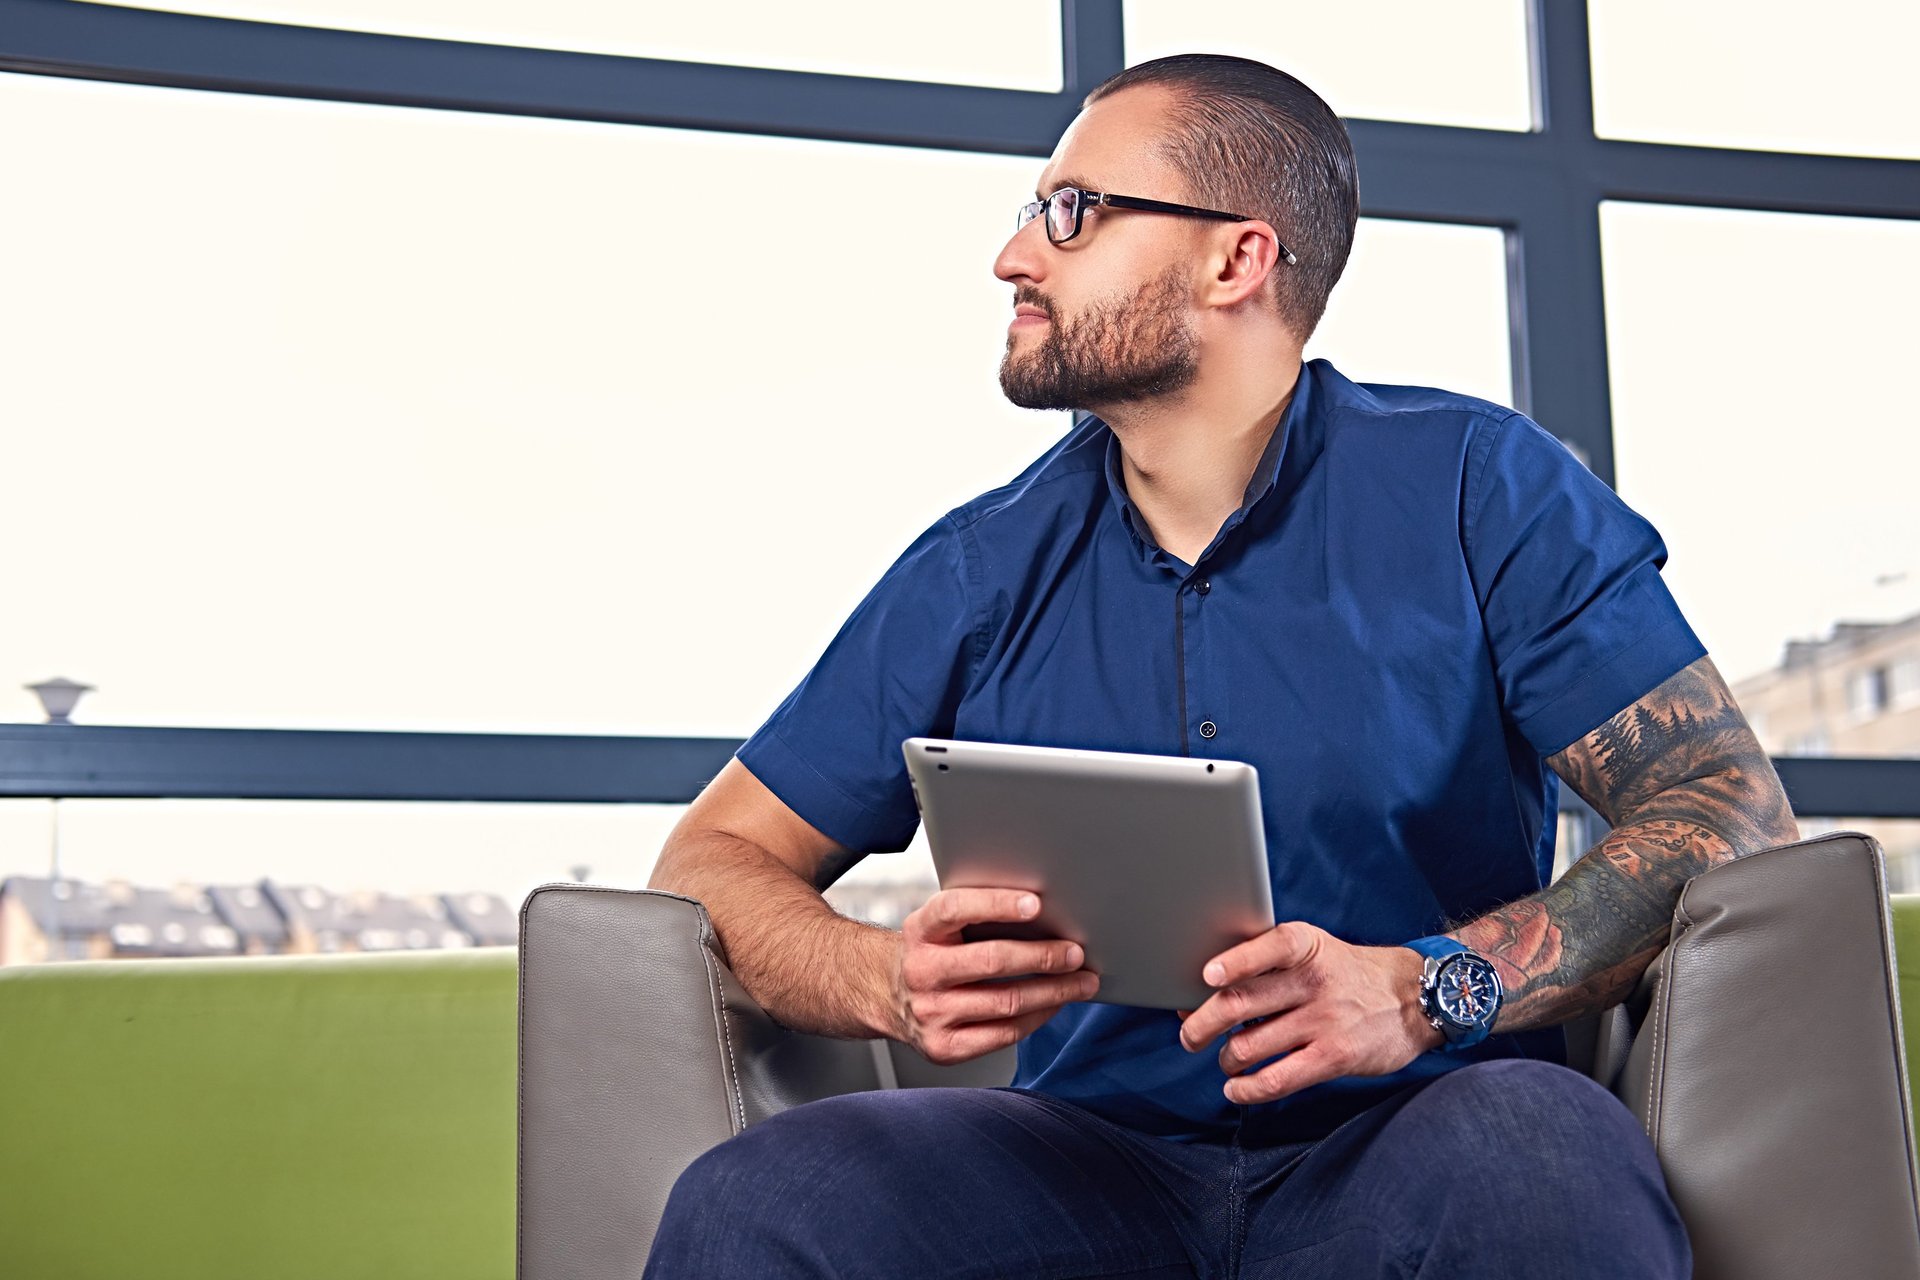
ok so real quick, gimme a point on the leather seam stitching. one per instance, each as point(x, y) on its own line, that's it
point(1659, 1065)
point(737, 1108)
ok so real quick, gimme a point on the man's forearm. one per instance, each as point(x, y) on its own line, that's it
point(1579, 945)
point(809, 967)
point(1688, 787)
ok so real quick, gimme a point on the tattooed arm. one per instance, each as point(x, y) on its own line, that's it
point(1686, 786)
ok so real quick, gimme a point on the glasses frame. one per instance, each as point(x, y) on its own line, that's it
point(1094, 199)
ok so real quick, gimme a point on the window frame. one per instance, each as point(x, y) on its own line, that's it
point(1543, 189)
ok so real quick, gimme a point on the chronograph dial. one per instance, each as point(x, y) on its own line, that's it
point(1460, 991)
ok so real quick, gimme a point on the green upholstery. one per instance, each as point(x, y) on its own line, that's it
point(1906, 955)
point(288, 1117)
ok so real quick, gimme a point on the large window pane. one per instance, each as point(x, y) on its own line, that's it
point(1012, 44)
point(1758, 364)
point(1462, 64)
point(341, 416)
point(1423, 303)
point(1770, 75)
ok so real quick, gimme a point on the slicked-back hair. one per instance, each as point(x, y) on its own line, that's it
point(1251, 139)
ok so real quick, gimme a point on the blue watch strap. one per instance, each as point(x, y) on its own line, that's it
point(1438, 946)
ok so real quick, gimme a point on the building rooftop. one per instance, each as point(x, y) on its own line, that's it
point(194, 920)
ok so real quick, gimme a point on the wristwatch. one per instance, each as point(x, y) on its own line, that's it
point(1459, 991)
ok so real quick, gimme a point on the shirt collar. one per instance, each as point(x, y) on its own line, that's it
point(1291, 449)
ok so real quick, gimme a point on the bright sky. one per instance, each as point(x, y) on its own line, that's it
point(325, 415)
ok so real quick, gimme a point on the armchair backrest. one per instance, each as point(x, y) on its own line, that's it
point(1770, 1071)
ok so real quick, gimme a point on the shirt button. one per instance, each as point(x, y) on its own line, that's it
point(1203, 586)
point(1208, 729)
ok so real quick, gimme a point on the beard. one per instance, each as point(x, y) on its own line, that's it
point(1116, 351)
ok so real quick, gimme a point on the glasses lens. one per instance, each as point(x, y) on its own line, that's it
point(1063, 209)
point(1028, 212)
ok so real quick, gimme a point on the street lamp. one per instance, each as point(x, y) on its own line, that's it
point(58, 697)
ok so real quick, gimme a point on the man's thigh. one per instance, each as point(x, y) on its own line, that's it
point(941, 1183)
point(1499, 1169)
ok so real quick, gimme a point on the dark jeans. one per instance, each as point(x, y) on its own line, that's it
point(1512, 1168)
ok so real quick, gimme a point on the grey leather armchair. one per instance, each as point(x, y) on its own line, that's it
point(1762, 1051)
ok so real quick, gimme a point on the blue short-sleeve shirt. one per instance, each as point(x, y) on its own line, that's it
point(1422, 596)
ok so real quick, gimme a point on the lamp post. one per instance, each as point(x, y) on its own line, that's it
point(58, 697)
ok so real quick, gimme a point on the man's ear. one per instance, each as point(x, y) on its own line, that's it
point(1246, 255)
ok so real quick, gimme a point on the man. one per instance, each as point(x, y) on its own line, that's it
point(1411, 610)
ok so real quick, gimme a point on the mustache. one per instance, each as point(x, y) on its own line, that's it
point(1028, 296)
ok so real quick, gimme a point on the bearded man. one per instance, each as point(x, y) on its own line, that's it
point(1414, 612)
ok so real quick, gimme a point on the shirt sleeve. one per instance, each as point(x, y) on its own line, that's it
point(897, 669)
point(1567, 576)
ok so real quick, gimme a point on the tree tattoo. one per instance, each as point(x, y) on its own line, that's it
point(1686, 786)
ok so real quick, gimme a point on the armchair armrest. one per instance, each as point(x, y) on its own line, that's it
point(1770, 1072)
point(638, 1051)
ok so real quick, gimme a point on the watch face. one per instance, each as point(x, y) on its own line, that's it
point(1467, 990)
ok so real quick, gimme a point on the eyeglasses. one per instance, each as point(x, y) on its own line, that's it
point(1065, 208)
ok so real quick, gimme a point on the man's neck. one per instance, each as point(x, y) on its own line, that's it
point(1187, 461)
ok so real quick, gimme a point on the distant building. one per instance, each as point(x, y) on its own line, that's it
point(52, 920)
point(42, 919)
point(383, 922)
point(483, 917)
point(1854, 693)
point(180, 921)
point(261, 929)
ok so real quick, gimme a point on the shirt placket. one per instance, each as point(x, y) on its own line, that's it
point(1200, 722)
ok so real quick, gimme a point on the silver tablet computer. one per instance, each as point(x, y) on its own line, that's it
point(1154, 864)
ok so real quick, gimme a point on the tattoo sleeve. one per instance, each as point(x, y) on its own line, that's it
point(1686, 786)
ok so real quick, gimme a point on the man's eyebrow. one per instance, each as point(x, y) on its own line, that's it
point(1058, 183)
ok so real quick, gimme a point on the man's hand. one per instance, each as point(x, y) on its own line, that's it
point(943, 1002)
point(1334, 1009)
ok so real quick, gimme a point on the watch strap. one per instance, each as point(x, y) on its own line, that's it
point(1437, 947)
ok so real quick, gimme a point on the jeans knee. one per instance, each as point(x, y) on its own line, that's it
point(787, 1188)
point(1553, 1139)
point(1526, 1097)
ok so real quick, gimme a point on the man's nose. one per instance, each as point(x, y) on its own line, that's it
point(1025, 254)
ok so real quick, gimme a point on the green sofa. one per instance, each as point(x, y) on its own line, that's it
point(284, 1117)
point(289, 1117)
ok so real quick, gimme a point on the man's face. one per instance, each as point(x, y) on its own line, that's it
point(1105, 318)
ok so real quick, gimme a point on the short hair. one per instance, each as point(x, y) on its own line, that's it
point(1251, 139)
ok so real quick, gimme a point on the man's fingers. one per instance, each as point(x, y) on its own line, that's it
point(1298, 1070)
point(1287, 944)
point(1257, 997)
point(1262, 1040)
point(949, 911)
point(976, 1039)
point(959, 964)
point(995, 1001)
